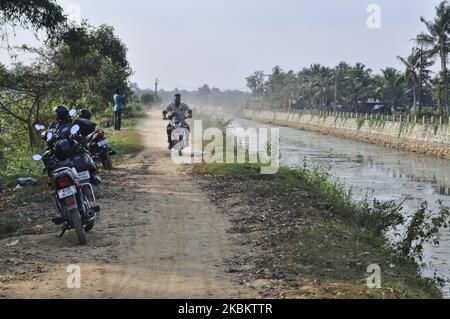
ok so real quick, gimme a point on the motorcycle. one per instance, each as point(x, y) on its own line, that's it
point(180, 132)
point(97, 145)
point(81, 157)
point(72, 195)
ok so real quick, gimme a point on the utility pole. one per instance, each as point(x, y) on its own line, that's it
point(335, 87)
point(156, 89)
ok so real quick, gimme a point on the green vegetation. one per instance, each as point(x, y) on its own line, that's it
point(78, 65)
point(37, 15)
point(125, 142)
point(360, 122)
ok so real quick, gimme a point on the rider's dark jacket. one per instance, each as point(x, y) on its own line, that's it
point(86, 126)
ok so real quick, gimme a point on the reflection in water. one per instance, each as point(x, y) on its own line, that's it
point(442, 190)
point(386, 173)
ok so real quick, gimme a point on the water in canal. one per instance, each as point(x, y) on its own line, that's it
point(384, 173)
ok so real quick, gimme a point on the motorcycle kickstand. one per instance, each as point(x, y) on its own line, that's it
point(63, 231)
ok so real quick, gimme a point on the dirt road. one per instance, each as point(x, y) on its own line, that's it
point(158, 236)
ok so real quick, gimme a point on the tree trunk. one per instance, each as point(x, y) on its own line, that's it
point(444, 70)
point(420, 80)
point(31, 138)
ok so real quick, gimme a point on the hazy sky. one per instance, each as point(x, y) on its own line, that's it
point(186, 43)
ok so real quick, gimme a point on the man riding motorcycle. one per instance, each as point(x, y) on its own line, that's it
point(180, 108)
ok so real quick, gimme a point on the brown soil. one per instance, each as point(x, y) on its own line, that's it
point(158, 236)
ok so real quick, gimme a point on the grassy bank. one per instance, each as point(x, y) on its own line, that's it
point(310, 234)
point(125, 142)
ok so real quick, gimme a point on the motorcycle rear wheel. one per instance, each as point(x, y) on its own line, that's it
point(106, 161)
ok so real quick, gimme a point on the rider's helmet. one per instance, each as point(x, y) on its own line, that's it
point(86, 114)
point(62, 113)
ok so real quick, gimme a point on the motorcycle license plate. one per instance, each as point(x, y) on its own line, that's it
point(84, 175)
point(102, 143)
point(66, 192)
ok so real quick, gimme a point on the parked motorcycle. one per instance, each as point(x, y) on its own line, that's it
point(97, 145)
point(72, 195)
point(81, 157)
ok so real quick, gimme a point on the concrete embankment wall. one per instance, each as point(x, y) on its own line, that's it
point(429, 139)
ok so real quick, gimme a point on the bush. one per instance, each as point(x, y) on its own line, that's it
point(18, 163)
point(133, 111)
point(105, 119)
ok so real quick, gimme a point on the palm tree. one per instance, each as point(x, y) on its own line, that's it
point(320, 83)
point(437, 41)
point(359, 83)
point(311, 77)
point(392, 88)
point(416, 74)
point(256, 83)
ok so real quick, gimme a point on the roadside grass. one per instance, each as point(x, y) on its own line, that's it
point(334, 239)
point(22, 166)
point(126, 141)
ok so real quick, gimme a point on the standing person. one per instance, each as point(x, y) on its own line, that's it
point(118, 108)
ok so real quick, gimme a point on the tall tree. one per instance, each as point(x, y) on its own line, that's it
point(392, 88)
point(25, 91)
point(437, 41)
point(360, 85)
point(34, 14)
point(417, 74)
point(256, 83)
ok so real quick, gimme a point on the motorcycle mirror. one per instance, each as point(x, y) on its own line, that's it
point(72, 112)
point(49, 136)
point(37, 157)
point(74, 130)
